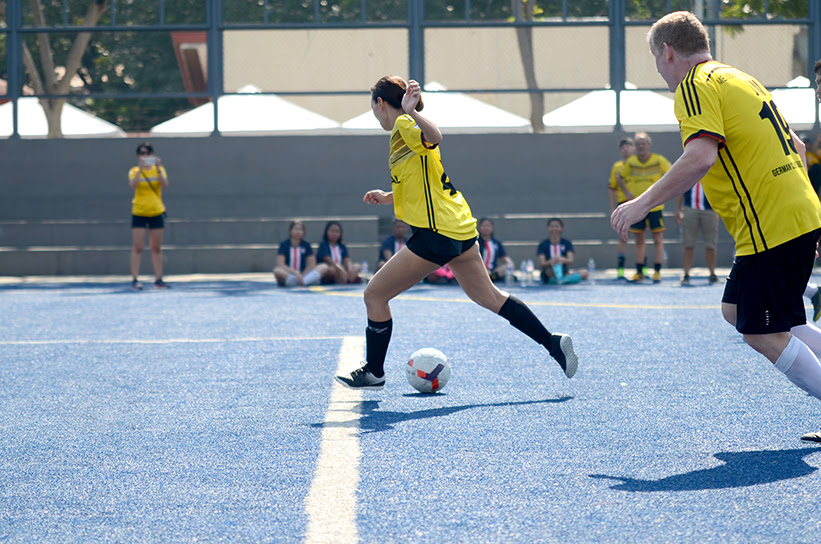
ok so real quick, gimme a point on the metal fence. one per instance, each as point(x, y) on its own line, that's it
point(138, 63)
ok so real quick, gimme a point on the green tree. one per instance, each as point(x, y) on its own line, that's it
point(43, 76)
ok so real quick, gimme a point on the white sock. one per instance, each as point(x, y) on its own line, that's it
point(311, 278)
point(801, 367)
point(810, 290)
point(291, 280)
point(810, 335)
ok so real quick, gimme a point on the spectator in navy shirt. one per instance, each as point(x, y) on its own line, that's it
point(334, 263)
point(296, 263)
point(556, 256)
point(492, 250)
point(394, 242)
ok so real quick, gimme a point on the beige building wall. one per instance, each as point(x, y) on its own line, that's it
point(285, 61)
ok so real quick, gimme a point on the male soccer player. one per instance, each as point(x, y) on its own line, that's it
point(749, 163)
point(638, 174)
point(626, 149)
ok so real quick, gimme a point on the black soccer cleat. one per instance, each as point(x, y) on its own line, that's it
point(561, 348)
point(812, 437)
point(361, 378)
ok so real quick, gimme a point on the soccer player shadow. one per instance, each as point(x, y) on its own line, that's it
point(373, 420)
point(739, 469)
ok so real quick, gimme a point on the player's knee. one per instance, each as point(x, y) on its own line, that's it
point(372, 298)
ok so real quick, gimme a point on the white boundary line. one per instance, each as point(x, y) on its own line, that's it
point(331, 501)
point(164, 341)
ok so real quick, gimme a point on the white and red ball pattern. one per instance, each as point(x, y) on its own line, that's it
point(428, 370)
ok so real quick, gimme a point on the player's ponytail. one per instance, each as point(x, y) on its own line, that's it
point(391, 89)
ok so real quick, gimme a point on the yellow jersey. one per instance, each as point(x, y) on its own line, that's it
point(640, 176)
point(423, 195)
point(758, 185)
point(148, 194)
point(614, 183)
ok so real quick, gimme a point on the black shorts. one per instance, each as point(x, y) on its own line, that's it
point(140, 222)
point(654, 221)
point(435, 247)
point(768, 287)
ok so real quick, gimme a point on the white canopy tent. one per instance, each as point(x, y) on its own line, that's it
point(453, 112)
point(75, 123)
point(596, 112)
point(797, 103)
point(248, 114)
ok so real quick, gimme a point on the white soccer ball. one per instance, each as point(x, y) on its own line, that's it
point(428, 370)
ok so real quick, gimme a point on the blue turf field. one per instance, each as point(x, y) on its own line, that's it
point(201, 414)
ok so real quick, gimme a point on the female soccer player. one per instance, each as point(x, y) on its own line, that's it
point(443, 232)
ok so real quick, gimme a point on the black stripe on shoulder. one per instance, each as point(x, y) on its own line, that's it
point(701, 133)
point(683, 87)
point(403, 155)
point(697, 106)
point(711, 73)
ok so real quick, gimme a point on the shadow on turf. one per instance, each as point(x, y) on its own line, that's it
point(739, 469)
point(373, 420)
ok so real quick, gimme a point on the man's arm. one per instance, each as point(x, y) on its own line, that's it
point(699, 156)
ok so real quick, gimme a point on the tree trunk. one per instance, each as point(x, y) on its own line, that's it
point(524, 35)
point(48, 83)
point(53, 108)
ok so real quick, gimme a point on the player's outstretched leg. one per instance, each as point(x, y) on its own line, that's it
point(472, 276)
point(560, 346)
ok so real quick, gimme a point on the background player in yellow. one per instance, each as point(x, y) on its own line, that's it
point(638, 174)
point(147, 180)
point(626, 149)
point(750, 164)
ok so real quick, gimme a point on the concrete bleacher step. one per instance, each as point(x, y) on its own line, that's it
point(218, 245)
point(238, 245)
point(256, 230)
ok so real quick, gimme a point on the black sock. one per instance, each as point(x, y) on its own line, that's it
point(621, 261)
point(377, 338)
point(639, 268)
point(521, 317)
point(657, 267)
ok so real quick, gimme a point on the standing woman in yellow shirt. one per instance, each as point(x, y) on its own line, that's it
point(443, 232)
point(147, 180)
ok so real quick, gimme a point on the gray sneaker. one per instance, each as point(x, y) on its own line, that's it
point(361, 378)
point(685, 280)
point(561, 348)
point(812, 437)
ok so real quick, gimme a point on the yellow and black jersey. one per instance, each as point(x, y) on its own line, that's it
point(758, 185)
point(148, 194)
point(423, 196)
point(613, 183)
point(640, 176)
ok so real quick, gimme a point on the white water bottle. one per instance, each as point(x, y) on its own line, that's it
point(509, 273)
point(364, 268)
point(591, 269)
